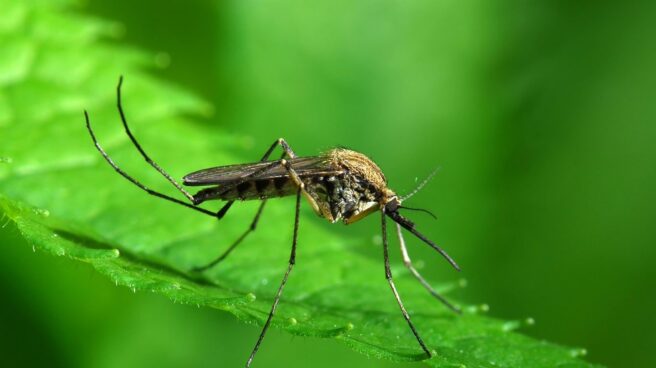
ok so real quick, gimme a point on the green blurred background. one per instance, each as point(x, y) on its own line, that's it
point(540, 114)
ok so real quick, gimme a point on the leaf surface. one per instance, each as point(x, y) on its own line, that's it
point(68, 202)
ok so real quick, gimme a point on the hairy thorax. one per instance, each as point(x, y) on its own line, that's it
point(360, 188)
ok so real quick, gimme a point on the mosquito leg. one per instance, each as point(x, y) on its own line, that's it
point(130, 178)
point(251, 228)
point(219, 214)
point(388, 276)
point(286, 148)
point(292, 261)
point(413, 270)
point(152, 163)
point(135, 181)
point(293, 175)
point(287, 151)
point(235, 243)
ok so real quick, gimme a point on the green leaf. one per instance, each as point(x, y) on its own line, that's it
point(67, 201)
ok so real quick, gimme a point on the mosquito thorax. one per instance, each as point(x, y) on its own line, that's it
point(359, 189)
point(357, 164)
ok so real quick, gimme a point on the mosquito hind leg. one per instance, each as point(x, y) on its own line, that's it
point(135, 181)
point(290, 266)
point(152, 163)
point(388, 276)
point(234, 245)
point(408, 263)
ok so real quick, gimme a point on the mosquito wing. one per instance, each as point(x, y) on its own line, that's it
point(258, 180)
point(266, 170)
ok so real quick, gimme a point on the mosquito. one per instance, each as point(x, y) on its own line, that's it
point(340, 185)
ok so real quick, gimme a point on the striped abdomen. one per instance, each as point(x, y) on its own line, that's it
point(253, 189)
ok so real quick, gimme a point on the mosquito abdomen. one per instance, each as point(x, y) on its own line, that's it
point(248, 190)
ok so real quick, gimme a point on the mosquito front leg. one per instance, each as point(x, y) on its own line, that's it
point(388, 276)
point(290, 266)
point(297, 180)
point(408, 263)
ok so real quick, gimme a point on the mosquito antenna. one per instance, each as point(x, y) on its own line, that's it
point(408, 225)
point(420, 210)
point(421, 185)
